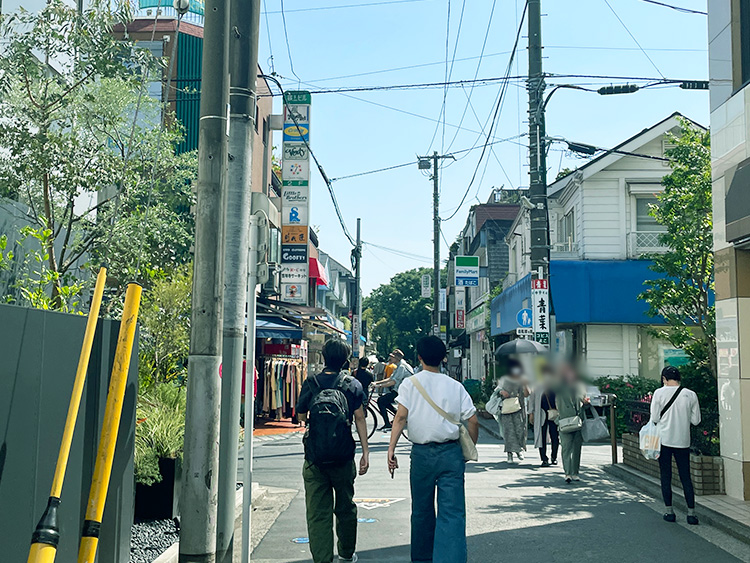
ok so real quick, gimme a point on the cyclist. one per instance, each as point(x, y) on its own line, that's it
point(403, 370)
point(364, 375)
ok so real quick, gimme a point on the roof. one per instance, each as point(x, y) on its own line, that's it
point(146, 25)
point(609, 157)
point(494, 212)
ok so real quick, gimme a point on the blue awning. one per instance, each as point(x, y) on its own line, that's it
point(275, 327)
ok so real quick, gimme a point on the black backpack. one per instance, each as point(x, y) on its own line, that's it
point(329, 439)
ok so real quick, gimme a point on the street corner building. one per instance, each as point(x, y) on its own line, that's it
point(600, 231)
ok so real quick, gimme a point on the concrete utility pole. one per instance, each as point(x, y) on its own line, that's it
point(243, 66)
point(201, 462)
point(357, 305)
point(540, 248)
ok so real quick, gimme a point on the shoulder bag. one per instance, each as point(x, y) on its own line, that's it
point(468, 447)
point(594, 429)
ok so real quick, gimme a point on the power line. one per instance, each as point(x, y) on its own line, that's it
point(476, 72)
point(678, 8)
point(441, 115)
point(634, 39)
point(397, 252)
point(365, 5)
point(286, 38)
point(268, 34)
point(328, 183)
point(501, 98)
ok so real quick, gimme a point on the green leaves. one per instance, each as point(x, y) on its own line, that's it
point(682, 296)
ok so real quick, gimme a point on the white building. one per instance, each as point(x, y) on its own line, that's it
point(599, 229)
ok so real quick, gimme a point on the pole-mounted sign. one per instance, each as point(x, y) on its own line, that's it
point(540, 308)
point(467, 271)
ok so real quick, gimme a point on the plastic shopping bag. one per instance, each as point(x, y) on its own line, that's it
point(493, 405)
point(650, 441)
point(594, 429)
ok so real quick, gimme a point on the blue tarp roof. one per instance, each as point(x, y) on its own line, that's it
point(275, 327)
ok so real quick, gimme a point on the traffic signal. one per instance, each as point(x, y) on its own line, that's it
point(618, 89)
point(694, 85)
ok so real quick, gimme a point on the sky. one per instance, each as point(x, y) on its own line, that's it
point(364, 43)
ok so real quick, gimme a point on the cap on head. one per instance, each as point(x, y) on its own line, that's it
point(398, 354)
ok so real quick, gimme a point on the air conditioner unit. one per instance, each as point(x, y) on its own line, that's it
point(273, 285)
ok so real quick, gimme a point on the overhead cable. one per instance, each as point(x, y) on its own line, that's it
point(498, 106)
point(286, 38)
point(634, 39)
point(678, 8)
point(364, 5)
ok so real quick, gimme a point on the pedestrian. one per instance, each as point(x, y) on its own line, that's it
point(364, 375)
point(329, 401)
point(673, 409)
point(388, 400)
point(513, 390)
point(543, 418)
point(571, 400)
point(437, 461)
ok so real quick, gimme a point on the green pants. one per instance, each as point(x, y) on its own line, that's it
point(571, 452)
point(321, 486)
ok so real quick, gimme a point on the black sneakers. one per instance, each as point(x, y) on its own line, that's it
point(692, 520)
point(670, 517)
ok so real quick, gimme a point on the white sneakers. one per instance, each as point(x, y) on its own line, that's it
point(353, 558)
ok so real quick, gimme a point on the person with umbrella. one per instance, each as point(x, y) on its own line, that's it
point(512, 390)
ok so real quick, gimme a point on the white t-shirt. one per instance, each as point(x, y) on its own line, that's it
point(674, 428)
point(424, 423)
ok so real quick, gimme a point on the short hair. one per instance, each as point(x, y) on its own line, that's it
point(432, 350)
point(364, 362)
point(671, 373)
point(336, 353)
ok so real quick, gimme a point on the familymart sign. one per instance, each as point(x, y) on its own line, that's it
point(467, 271)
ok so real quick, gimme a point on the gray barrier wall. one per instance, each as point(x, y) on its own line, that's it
point(38, 357)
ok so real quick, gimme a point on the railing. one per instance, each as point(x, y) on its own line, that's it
point(643, 242)
point(568, 246)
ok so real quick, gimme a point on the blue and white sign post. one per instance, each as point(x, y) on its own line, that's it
point(525, 318)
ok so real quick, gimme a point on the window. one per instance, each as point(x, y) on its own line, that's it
point(643, 219)
point(744, 39)
point(566, 231)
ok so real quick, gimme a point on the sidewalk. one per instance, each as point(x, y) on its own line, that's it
point(728, 514)
point(266, 427)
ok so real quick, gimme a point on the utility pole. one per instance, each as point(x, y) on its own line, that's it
point(243, 66)
point(357, 308)
point(201, 461)
point(424, 164)
point(537, 153)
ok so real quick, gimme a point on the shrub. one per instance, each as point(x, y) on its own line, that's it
point(160, 429)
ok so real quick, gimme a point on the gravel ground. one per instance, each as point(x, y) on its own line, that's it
point(150, 539)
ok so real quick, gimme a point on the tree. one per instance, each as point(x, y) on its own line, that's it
point(83, 147)
point(682, 297)
point(397, 314)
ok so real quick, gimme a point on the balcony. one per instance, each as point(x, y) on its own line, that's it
point(565, 250)
point(644, 242)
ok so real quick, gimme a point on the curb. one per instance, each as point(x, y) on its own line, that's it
point(491, 427)
point(707, 515)
point(172, 554)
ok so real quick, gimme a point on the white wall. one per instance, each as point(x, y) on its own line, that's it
point(611, 350)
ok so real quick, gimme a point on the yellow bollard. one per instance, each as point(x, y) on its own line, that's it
point(112, 413)
point(47, 534)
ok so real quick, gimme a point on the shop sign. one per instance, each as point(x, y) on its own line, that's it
point(294, 254)
point(476, 319)
point(293, 274)
point(295, 151)
point(426, 286)
point(294, 292)
point(295, 170)
point(467, 271)
point(540, 308)
point(294, 235)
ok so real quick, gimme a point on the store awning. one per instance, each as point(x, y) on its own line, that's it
point(325, 327)
point(318, 272)
point(275, 327)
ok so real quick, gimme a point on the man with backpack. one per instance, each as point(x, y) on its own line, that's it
point(329, 401)
point(674, 409)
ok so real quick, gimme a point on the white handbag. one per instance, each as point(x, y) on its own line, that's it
point(511, 405)
point(468, 447)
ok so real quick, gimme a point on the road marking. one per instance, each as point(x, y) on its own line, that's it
point(370, 503)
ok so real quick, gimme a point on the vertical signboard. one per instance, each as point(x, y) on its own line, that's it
point(460, 307)
point(540, 309)
point(426, 286)
point(467, 271)
point(443, 300)
point(295, 197)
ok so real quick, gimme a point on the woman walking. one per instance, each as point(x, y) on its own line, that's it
point(570, 399)
point(544, 418)
point(513, 390)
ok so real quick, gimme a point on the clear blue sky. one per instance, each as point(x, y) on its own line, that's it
point(355, 132)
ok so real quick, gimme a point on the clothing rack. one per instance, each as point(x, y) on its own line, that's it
point(281, 378)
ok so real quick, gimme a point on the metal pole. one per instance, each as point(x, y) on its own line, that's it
point(252, 283)
point(613, 427)
point(537, 152)
point(436, 244)
point(105, 454)
point(243, 61)
point(198, 507)
point(357, 312)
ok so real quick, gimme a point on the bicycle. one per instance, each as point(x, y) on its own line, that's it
point(372, 413)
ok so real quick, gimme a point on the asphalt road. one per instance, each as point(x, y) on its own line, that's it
point(517, 512)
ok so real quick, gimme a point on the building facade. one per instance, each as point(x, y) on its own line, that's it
point(729, 70)
point(600, 229)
